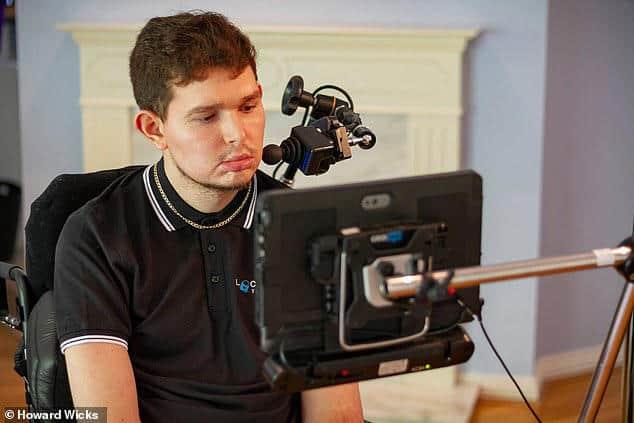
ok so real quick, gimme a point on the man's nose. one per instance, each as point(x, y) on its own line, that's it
point(232, 127)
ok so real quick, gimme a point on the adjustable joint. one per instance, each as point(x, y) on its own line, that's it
point(432, 290)
point(627, 268)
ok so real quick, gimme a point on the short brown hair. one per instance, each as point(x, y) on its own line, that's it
point(179, 49)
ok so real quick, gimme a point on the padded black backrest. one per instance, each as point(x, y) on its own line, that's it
point(49, 212)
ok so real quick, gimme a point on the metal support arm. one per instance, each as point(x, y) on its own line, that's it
point(408, 286)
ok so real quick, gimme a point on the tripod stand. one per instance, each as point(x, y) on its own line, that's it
point(622, 258)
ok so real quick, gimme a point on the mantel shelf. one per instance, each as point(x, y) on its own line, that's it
point(415, 73)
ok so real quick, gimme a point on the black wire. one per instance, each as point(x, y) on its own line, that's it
point(508, 372)
point(277, 168)
point(305, 118)
point(336, 88)
point(328, 87)
point(448, 328)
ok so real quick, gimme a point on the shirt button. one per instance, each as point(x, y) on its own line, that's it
point(216, 279)
point(211, 247)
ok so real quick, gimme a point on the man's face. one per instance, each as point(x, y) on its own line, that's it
point(214, 128)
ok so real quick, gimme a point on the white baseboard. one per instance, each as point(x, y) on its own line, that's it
point(550, 367)
point(570, 363)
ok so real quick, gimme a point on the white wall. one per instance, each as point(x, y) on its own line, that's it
point(505, 80)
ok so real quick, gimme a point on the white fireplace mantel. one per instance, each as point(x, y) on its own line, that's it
point(413, 73)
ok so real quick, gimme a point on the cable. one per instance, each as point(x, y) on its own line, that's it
point(478, 316)
point(277, 168)
point(450, 327)
point(328, 87)
point(305, 118)
point(336, 88)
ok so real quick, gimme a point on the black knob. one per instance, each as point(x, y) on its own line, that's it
point(292, 95)
point(386, 268)
point(295, 96)
point(361, 131)
point(272, 154)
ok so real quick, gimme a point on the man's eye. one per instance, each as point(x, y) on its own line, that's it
point(207, 118)
point(248, 107)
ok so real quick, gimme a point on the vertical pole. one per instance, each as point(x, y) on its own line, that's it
point(601, 376)
point(626, 380)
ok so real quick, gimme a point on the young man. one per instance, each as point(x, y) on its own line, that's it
point(150, 314)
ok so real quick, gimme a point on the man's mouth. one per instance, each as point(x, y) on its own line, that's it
point(237, 163)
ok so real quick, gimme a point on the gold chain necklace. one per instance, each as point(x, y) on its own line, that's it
point(191, 222)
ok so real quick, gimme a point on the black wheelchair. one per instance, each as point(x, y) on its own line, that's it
point(38, 359)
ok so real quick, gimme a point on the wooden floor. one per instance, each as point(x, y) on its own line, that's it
point(11, 385)
point(561, 400)
point(561, 403)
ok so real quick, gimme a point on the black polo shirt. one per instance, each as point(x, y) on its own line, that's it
point(130, 271)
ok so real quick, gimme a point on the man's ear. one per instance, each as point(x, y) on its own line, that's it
point(151, 126)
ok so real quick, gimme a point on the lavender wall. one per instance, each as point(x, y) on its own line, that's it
point(588, 193)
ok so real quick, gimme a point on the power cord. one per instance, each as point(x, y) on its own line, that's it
point(478, 317)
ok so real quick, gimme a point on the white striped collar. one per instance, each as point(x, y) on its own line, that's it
point(172, 222)
point(154, 201)
point(248, 221)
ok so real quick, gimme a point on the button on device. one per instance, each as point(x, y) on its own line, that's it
point(211, 247)
point(216, 279)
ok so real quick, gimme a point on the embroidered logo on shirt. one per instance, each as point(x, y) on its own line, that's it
point(246, 287)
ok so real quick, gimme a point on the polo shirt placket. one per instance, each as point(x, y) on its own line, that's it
point(217, 286)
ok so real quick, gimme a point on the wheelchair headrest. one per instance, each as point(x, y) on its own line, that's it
point(65, 194)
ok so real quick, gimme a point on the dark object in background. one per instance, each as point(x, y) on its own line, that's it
point(8, 45)
point(10, 195)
